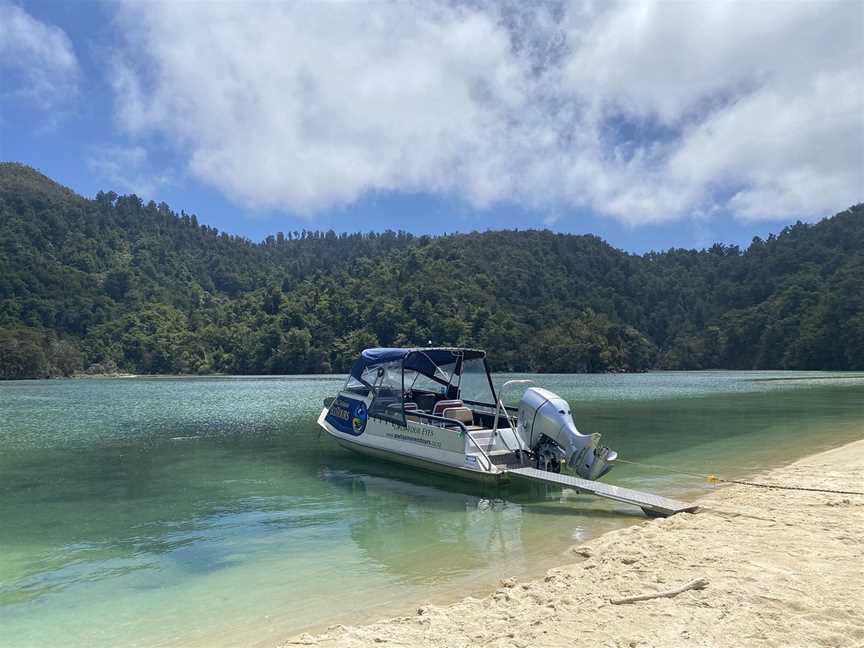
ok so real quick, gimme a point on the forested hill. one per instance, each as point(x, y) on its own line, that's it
point(115, 284)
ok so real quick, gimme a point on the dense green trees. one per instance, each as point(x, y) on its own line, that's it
point(114, 283)
point(27, 353)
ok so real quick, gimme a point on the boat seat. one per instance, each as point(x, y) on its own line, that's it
point(442, 405)
point(409, 408)
point(424, 401)
point(461, 414)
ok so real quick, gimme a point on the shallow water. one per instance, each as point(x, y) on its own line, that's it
point(160, 512)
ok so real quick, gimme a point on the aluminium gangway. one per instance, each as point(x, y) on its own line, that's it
point(653, 505)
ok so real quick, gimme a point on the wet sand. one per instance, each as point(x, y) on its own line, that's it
point(783, 568)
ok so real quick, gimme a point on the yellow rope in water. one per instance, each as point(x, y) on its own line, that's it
point(713, 479)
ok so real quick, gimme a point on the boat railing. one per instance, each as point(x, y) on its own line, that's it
point(488, 408)
point(446, 422)
point(501, 408)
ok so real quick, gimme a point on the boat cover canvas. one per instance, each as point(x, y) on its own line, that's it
point(421, 360)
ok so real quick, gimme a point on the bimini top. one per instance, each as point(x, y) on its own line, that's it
point(422, 359)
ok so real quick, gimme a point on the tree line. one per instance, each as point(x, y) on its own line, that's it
point(113, 284)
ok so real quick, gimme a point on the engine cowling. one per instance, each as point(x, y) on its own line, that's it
point(545, 414)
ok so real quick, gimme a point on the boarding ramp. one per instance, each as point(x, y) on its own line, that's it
point(653, 505)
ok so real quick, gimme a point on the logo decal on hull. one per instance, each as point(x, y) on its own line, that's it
point(359, 420)
point(348, 415)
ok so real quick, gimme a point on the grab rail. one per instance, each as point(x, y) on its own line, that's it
point(462, 428)
point(500, 406)
point(489, 406)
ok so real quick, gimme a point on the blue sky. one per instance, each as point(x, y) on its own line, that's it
point(651, 126)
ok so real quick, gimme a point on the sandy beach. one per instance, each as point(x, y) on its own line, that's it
point(783, 568)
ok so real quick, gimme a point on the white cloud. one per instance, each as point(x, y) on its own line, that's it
point(37, 61)
point(126, 168)
point(644, 112)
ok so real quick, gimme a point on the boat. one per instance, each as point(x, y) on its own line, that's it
point(436, 409)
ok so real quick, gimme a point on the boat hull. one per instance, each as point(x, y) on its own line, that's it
point(490, 479)
point(428, 448)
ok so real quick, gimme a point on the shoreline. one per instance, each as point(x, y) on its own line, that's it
point(853, 374)
point(783, 568)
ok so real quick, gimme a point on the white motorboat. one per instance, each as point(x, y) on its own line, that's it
point(437, 408)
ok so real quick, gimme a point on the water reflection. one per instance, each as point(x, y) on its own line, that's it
point(403, 517)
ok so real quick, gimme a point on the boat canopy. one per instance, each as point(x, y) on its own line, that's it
point(422, 360)
point(395, 376)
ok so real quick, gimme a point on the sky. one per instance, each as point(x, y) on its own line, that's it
point(652, 125)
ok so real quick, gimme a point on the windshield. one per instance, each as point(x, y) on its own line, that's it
point(386, 382)
point(475, 385)
point(355, 387)
point(472, 382)
point(415, 381)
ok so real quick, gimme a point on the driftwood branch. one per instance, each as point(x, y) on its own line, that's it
point(698, 584)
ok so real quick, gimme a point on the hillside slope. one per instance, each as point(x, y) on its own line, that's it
point(113, 282)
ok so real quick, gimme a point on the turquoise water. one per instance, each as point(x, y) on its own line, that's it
point(165, 512)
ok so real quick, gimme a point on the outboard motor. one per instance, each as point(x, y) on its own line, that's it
point(547, 428)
